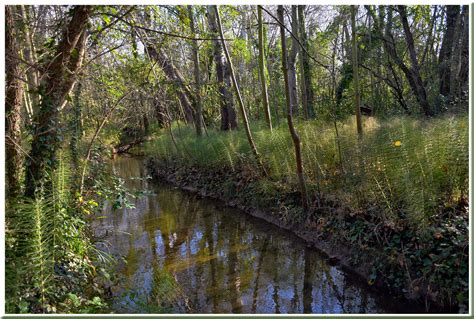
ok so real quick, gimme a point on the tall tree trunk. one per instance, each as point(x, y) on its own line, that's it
point(292, 61)
point(289, 113)
point(228, 114)
point(415, 68)
point(307, 95)
point(239, 97)
point(59, 79)
point(463, 75)
point(460, 40)
point(197, 74)
point(455, 59)
point(444, 60)
point(13, 102)
point(355, 71)
point(261, 67)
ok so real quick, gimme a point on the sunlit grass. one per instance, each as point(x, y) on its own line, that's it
point(403, 165)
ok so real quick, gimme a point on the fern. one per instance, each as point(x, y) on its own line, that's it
point(32, 226)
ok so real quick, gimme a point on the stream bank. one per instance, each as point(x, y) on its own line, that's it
point(337, 232)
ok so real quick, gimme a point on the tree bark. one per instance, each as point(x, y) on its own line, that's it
point(197, 74)
point(445, 53)
point(307, 95)
point(355, 71)
point(13, 102)
point(228, 114)
point(261, 67)
point(292, 61)
point(289, 113)
point(59, 79)
point(463, 76)
point(239, 97)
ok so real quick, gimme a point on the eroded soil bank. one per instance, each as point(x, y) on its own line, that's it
point(391, 260)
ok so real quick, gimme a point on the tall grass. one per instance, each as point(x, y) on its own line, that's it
point(403, 165)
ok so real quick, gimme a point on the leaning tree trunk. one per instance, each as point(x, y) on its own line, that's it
point(59, 79)
point(228, 114)
point(239, 97)
point(185, 95)
point(355, 72)
point(294, 136)
point(13, 102)
point(197, 75)
point(261, 68)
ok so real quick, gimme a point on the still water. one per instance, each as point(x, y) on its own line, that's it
point(211, 259)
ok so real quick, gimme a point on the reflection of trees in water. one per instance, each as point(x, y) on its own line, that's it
point(223, 261)
point(258, 270)
point(234, 278)
point(307, 283)
point(209, 238)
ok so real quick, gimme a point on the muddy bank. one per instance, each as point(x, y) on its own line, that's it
point(325, 228)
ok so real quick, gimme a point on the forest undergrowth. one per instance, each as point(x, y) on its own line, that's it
point(52, 263)
point(398, 197)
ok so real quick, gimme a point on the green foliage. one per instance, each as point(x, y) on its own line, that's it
point(47, 251)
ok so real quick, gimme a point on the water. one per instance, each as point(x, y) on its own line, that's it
point(211, 259)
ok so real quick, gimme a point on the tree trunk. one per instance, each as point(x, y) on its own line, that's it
point(289, 113)
point(13, 102)
point(239, 97)
point(261, 67)
point(355, 71)
point(160, 112)
point(463, 76)
point(185, 94)
point(59, 78)
point(415, 68)
point(307, 94)
point(444, 60)
point(292, 61)
point(197, 74)
point(76, 127)
point(29, 52)
point(228, 114)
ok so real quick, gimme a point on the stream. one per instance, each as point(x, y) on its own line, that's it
point(206, 258)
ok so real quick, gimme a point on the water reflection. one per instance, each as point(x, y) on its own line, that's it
point(222, 260)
